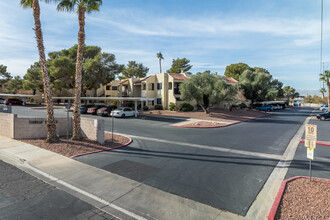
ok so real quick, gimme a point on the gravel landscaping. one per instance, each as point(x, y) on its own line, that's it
point(305, 200)
point(79, 147)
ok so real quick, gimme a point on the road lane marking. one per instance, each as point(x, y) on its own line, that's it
point(206, 147)
point(261, 206)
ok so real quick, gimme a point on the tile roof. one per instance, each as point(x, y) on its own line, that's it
point(123, 81)
point(141, 80)
point(178, 76)
point(230, 80)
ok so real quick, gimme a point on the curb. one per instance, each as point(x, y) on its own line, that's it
point(318, 143)
point(278, 198)
point(220, 126)
point(106, 149)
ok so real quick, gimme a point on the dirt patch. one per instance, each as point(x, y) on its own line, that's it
point(203, 124)
point(79, 147)
point(214, 115)
point(305, 200)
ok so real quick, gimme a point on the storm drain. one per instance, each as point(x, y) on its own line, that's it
point(132, 170)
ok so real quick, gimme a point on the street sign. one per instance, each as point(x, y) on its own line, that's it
point(311, 132)
point(310, 153)
point(310, 143)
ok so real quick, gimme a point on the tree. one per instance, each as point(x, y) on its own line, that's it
point(323, 90)
point(206, 89)
point(160, 58)
point(14, 85)
point(180, 65)
point(83, 6)
point(278, 86)
point(257, 86)
point(290, 93)
point(236, 70)
point(325, 77)
point(32, 80)
point(4, 75)
point(51, 127)
point(134, 70)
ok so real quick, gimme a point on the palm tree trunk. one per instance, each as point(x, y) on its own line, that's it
point(160, 65)
point(328, 84)
point(51, 127)
point(77, 102)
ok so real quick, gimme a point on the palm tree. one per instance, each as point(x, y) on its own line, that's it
point(51, 127)
point(323, 90)
point(82, 6)
point(160, 57)
point(325, 77)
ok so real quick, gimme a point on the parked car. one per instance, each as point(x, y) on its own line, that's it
point(122, 112)
point(323, 116)
point(267, 108)
point(13, 102)
point(93, 110)
point(84, 108)
point(324, 108)
point(276, 107)
point(106, 111)
point(2, 101)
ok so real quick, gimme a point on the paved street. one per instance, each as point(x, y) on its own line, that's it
point(23, 196)
point(221, 167)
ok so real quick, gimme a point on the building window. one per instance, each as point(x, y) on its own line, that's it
point(151, 86)
point(153, 102)
point(144, 86)
point(170, 86)
point(178, 99)
point(159, 86)
point(107, 88)
point(159, 101)
point(114, 88)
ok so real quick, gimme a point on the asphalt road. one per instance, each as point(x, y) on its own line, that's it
point(194, 163)
point(23, 196)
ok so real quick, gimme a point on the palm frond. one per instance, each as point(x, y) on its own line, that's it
point(66, 5)
point(26, 3)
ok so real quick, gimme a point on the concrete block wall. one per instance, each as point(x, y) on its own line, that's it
point(93, 129)
point(37, 128)
point(7, 124)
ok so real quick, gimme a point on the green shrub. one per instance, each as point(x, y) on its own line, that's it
point(186, 107)
point(158, 107)
point(130, 105)
point(172, 107)
point(145, 108)
point(243, 105)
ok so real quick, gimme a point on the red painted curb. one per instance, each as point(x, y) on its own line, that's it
point(106, 149)
point(318, 143)
point(279, 195)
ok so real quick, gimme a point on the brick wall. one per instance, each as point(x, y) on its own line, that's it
point(37, 128)
point(7, 124)
point(93, 129)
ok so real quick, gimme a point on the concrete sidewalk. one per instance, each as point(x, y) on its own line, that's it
point(119, 196)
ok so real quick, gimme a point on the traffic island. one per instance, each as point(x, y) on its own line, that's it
point(298, 198)
point(76, 148)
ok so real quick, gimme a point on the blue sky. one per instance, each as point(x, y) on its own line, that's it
point(282, 36)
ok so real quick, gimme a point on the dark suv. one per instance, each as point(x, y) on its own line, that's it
point(13, 102)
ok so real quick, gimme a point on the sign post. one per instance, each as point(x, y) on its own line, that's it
point(310, 143)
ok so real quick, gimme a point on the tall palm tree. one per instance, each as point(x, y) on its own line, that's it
point(160, 57)
point(51, 127)
point(81, 7)
point(323, 90)
point(325, 77)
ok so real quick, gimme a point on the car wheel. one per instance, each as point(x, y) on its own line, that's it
point(123, 115)
point(268, 110)
point(322, 118)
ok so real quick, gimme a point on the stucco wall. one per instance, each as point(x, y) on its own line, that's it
point(93, 129)
point(7, 124)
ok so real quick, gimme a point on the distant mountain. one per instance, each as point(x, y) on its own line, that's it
point(305, 92)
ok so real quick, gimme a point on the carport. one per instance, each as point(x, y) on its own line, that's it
point(21, 96)
point(133, 99)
